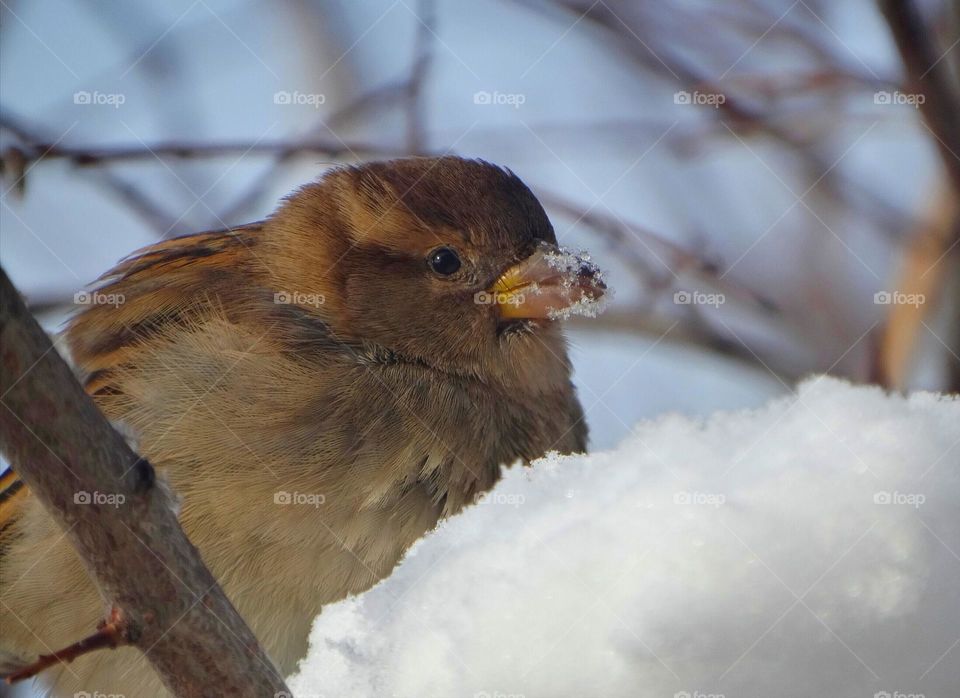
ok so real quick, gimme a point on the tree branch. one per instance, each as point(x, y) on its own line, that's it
point(929, 73)
point(927, 64)
point(162, 597)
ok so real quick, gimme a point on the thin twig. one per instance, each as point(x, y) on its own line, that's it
point(109, 635)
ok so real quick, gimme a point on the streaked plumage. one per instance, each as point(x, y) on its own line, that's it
point(383, 388)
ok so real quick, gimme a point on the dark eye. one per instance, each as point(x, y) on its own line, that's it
point(444, 261)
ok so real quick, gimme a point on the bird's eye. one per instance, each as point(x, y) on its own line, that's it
point(444, 261)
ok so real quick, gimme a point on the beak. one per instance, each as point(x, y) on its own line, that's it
point(550, 284)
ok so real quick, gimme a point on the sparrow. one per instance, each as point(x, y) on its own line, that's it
point(319, 388)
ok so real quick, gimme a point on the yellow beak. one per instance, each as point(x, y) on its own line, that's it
point(549, 284)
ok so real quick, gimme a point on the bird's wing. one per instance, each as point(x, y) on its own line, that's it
point(12, 491)
point(140, 295)
point(148, 290)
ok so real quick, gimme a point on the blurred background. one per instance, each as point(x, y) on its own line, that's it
point(772, 185)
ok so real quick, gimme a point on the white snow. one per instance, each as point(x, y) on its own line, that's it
point(572, 266)
point(808, 548)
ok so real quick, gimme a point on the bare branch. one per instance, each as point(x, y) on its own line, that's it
point(927, 64)
point(929, 73)
point(147, 571)
point(92, 156)
point(423, 55)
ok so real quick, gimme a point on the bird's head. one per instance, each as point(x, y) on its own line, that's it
point(446, 261)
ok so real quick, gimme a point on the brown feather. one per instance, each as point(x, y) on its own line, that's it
point(389, 404)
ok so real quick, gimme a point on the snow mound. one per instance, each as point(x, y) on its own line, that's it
point(809, 548)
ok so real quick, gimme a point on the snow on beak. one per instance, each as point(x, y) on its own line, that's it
point(550, 284)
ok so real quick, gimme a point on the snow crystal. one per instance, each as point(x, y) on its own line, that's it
point(809, 548)
point(588, 306)
point(572, 266)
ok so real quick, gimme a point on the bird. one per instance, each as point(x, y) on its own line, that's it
point(320, 389)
